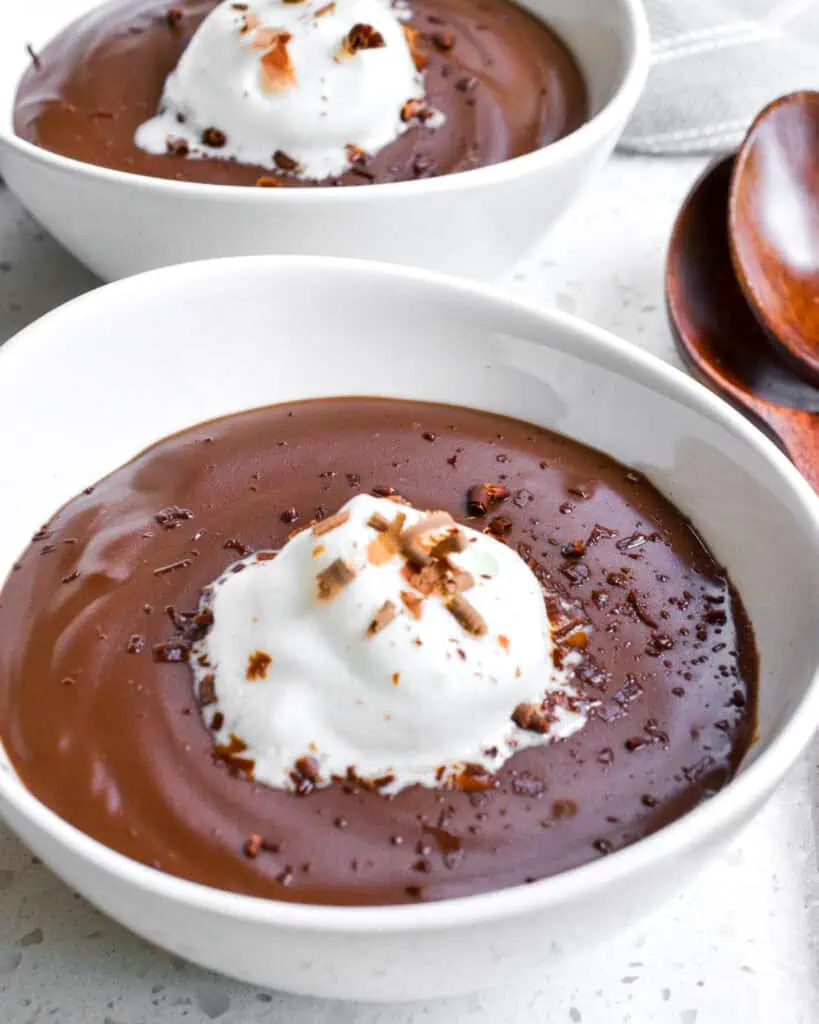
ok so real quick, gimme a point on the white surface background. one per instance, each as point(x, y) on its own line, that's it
point(740, 945)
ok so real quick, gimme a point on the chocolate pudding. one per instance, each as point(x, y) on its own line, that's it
point(502, 83)
point(99, 712)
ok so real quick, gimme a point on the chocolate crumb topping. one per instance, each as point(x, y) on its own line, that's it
point(481, 497)
point(382, 618)
point(532, 718)
point(177, 147)
point(362, 37)
point(253, 845)
point(334, 579)
point(257, 665)
point(207, 691)
point(136, 644)
point(285, 162)
point(466, 615)
point(171, 652)
point(444, 39)
point(214, 137)
point(330, 523)
point(172, 517)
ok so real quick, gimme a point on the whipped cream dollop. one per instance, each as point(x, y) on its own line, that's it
point(385, 643)
point(308, 88)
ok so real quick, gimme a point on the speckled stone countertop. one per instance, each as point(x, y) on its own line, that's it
point(740, 944)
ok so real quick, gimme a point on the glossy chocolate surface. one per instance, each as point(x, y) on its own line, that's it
point(113, 741)
point(507, 86)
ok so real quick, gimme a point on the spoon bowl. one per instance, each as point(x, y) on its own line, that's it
point(774, 226)
point(718, 335)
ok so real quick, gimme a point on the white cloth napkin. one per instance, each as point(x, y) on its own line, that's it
point(716, 64)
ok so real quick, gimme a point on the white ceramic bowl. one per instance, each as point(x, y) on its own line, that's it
point(476, 224)
point(91, 384)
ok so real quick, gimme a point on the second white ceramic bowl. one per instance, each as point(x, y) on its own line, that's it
point(93, 383)
point(475, 224)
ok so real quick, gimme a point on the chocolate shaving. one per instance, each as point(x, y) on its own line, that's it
point(136, 644)
point(474, 778)
point(207, 691)
point(378, 522)
point(410, 538)
point(334, 579)
point(257, 665)
point(419, 58)
point(177, 147)
point(285, 162)
point(444, 39)
point(482, 496)
point(361, 37)
point(253, 845)
point(171, 652)
point(413, 603)
point(532, 718)
point(382, 618)
point(171, 517)
point(453, 544)
point(466, 615)
point(307, 768)
point(163, 570)
point(278, 72)
point(416, 110)
point(326, 9)
point(214, 137)
point(330, 523)
point(231, 752)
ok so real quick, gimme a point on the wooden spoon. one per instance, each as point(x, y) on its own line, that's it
point(774, 225)
point(719, 336)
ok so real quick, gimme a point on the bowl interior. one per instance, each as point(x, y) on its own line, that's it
point(95, 382)
point(599, 32)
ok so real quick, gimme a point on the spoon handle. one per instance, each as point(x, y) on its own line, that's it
point(799, 432)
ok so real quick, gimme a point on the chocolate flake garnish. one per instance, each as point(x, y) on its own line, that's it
point(383, 491)
point(499, 526)
point(326, 9)
point(362, 37)
point(466, 615)
point(378, 522)
point(285, 162)
point(419, 58)
point(289, 515)
point(474, 778)
point(382, 618)
point(532, 718)
point(136, 644)
point(183, 563)
point(444, 39)
point(71, 576)
point(171, 652)
point(466, 84)
point(177, 147)
point(214, 137)
point(231, 753)
point(257, 665)
point(416, 110)
point(174, 17)
point(278, 72)
point(634, 601)
point(413, 603)
point(217, 721)
point(207, 691)
point(171, 517)
point(330, 523)
point(410, 538)
point(253, 845)
point(453, 544)
point(332, 580)
point(482, 496)
point(308, 768)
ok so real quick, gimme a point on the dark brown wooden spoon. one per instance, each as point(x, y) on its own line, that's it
point(718, 335)
point(773, 223)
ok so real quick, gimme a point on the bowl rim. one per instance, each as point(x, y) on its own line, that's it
point(734, 803)
point(635, 34)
